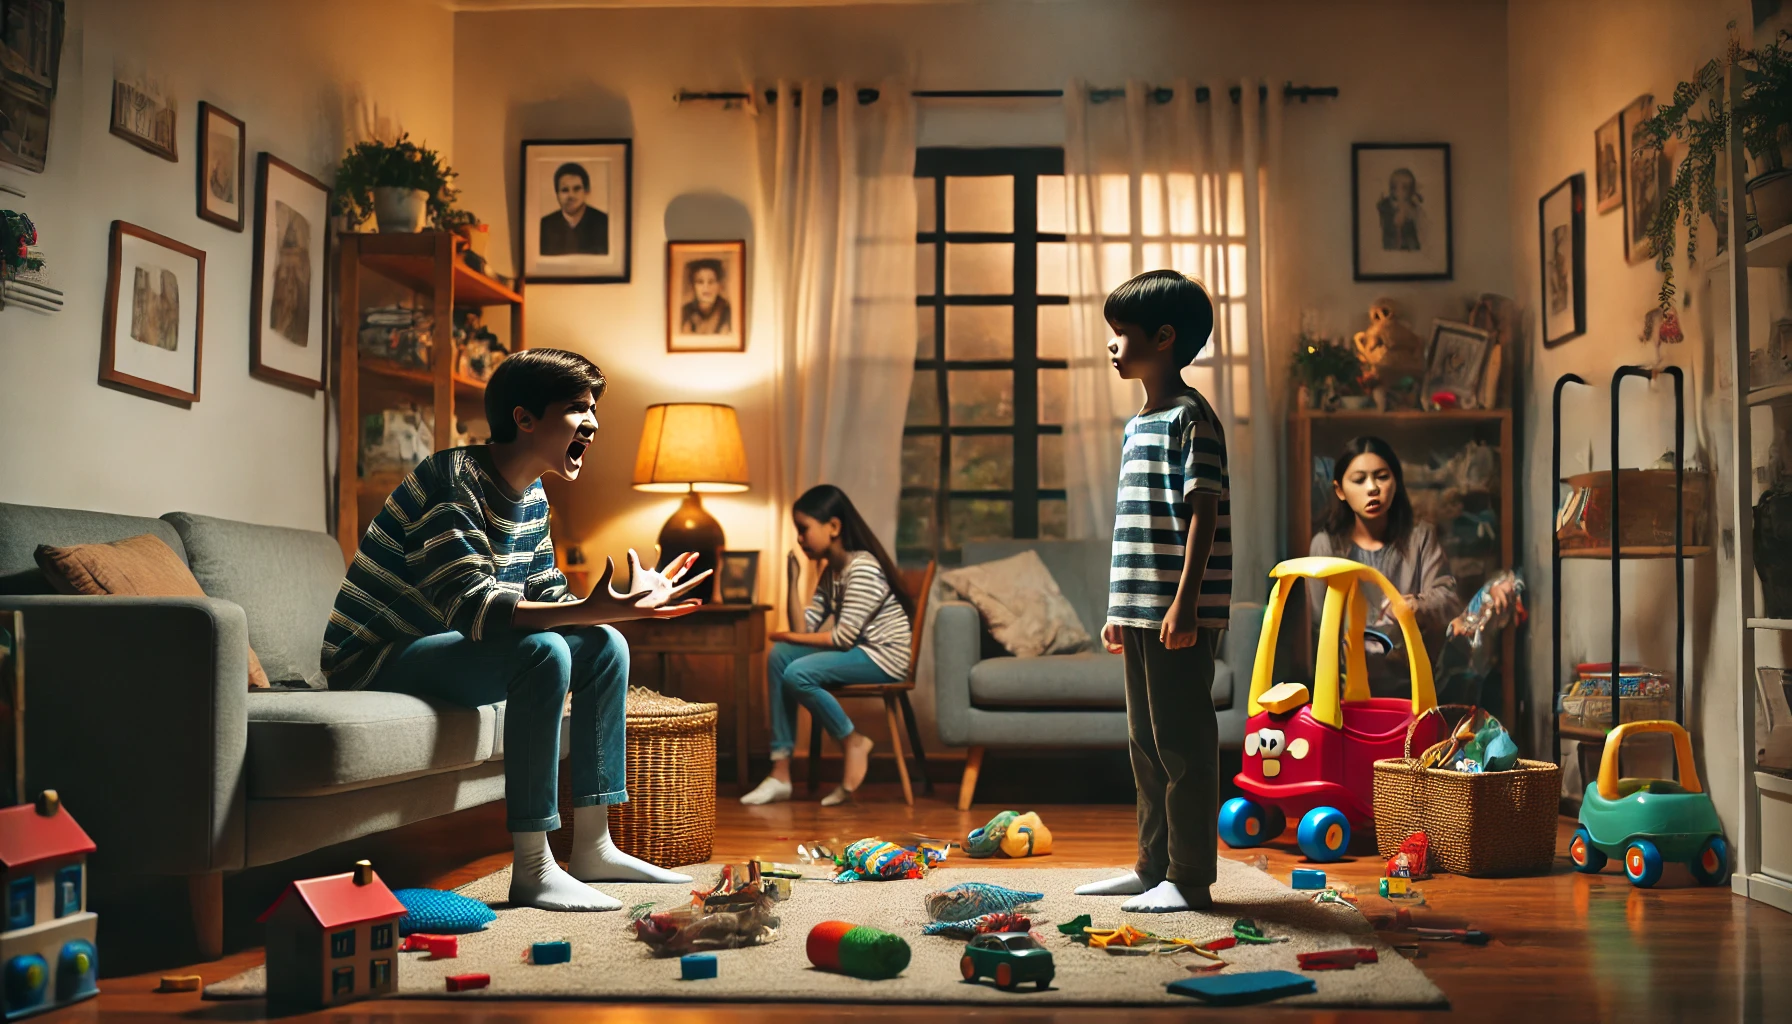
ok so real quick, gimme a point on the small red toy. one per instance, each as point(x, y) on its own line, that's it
point(1336, 959)
point(439, 947)
point(463, 982)
point(1218, 944)
point(1412, 860)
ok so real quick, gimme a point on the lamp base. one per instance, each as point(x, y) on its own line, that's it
point(692, 528)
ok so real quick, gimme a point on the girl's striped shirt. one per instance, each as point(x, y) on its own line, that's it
point(866, 614)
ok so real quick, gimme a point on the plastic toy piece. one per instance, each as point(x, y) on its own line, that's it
point(1244, 989)
point(697, 966)
point(1471, 936)
point(439, 947)
point(1075, 925)
point(542, 953)
point(857, 951)
point(1125, 935)
point(1395, 886)
point(179, 983)
point(1334, 896)
point(1248, 931)
point(1284, 697)
point(1011, 958)
point(463, 982)
point(1308, 878)
point(1336, 959)
point(1650, 822)
point(47, 953)
point(353, 913)
point(1223, 943)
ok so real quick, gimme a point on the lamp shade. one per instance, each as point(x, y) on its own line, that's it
point(691, 446)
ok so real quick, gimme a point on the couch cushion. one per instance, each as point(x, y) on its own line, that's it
point(1021, 605)
point(24, 527)
point(310, 743)
point(1093, 679)
point(286, 581)
point(1079, 566)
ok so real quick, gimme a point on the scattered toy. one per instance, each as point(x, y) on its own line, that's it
point(697, 966)
point(743, 918)
point(1647, 822)
point(439, 947)
point(353, 909)
point(1011, 833)
point(1471, 936)
point(1222, 943)
point(1001, 921)
point(1125, 935)
point(179, 983)
point(1334, 896)
point(463, 982)
point(883, 860)
point(966, 900)
point(1394, 886)
point(1308, 878)
point(1075, 925)
point(1336, 959)
point(857, 951)
point(543, 953)
point(1203, 966)
point(1011, 958)
point(440, 912)
point(1413, 858)
point(1246, 930)
point(1245, 988)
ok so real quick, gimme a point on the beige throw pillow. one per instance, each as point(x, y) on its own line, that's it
point(1021, 604)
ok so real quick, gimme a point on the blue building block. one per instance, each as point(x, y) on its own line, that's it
point(1308, 878)
point(550, 952)
point(697, 966)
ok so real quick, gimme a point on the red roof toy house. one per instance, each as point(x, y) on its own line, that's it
point(47, 956)
point(333, 940)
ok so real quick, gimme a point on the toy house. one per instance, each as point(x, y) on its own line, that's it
point(47, 948)
point(332, 940)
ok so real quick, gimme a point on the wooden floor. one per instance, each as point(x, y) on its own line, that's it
point(1566, 947)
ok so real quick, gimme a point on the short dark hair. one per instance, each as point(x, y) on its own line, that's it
point(1159, 297)
point(571, 168)
point(536, 378)
point(711, 265)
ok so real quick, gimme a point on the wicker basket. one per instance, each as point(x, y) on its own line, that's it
point(1493, 823)
point(670, 817)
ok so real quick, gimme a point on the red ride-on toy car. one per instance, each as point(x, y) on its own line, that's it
point(1307, 754)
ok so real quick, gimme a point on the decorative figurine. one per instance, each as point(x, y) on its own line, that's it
point(47, 947)
point(332, 940)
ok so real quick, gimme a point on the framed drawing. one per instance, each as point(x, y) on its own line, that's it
point(740, 577)
point(1561, 241)
point(1608, 164)
point(1454, 362)
point(144, 119)
point(154, 316)
point(706, 296)
point(577, 226)
point(1400, 226)
point(1646, 176)
point(286, 319)
point(31, 33)
point(221, 167)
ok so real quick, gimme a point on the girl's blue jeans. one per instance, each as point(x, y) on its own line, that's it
point(800, 675)
point(532, 673)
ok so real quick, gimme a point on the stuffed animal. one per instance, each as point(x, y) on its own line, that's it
point(1391, 353)
point(967, 900)
point(1011, 833)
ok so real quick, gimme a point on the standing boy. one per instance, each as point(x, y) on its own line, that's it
point(1169, 591)
point(454, 596)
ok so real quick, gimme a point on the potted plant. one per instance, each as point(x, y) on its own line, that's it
point(400, 184)
point(1327, 371)
point(1762, 113)
point(17, 236)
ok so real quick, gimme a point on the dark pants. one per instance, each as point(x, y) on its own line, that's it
point(1175, 756)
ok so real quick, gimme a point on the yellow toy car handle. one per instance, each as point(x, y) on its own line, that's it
point(1608, 763)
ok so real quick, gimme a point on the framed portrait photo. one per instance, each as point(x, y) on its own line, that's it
point(739, 583)
point(286, 325)
point(1400, 211)
point(1608, 165)
point(222, 168)
point(1646, 176)
point(577, 226)
point(145, 119)
point(1455, 360)
point(154, 320)
point(31, 33)
point(706, 296)
point(1561, 240)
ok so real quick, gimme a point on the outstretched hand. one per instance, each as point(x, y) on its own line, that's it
point(659, 588)
point(651, 595)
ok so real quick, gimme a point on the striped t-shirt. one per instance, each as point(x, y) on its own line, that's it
point(866, 614)
point(453, 550)
point(1168, 455)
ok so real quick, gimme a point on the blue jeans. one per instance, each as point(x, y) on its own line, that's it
point(798, 674)
point(531, 673)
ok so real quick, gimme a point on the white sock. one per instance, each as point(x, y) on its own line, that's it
point(596, 859)
point(770, 791)
point(537, 881)
point(838, 796)
point(1163, 898)
point(1129, 884)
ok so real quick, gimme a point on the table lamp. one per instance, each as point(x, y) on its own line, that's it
point(693, 448)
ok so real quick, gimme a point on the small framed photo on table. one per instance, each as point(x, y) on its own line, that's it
point(1562, 239)
point(154, 315)
point(1454, 362)
point(1400, 211)
point(222, 168)
point(576, 224)
point(286, 325)
point(739, 582)
point(706, 296)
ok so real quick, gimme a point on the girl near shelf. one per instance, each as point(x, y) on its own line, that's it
point(868, 641)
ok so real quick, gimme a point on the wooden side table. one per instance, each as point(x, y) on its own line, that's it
point(734, 630)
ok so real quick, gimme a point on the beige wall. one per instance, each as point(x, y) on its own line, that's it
point(1573, 65)
point(300, 75)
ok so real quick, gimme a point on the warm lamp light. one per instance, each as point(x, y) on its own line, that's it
point(693, 448)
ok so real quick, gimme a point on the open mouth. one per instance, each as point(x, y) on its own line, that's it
point(575, 452)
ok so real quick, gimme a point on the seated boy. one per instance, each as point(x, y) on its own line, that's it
point(454, 595)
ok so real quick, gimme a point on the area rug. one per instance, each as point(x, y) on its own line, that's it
point(609, 964)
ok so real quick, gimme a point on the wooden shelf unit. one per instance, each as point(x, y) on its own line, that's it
point(425, 263)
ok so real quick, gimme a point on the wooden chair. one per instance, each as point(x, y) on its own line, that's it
point(918, 583)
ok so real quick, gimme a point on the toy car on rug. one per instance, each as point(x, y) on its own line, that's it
point(1307, 753)
point(1011, 958)
point(1650, 822)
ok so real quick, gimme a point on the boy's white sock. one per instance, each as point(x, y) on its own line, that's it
point(1165, 898)
point(770, 791)
point(596, 859)
point(537, 881)
point(1129, 884)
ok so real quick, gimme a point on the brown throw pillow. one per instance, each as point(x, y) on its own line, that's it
point(1022, 605)
point(142, 566)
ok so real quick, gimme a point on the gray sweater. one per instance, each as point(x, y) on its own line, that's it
point(1417, 568)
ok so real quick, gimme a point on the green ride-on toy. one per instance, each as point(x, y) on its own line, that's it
point(1009, 957)
point(1650, 822)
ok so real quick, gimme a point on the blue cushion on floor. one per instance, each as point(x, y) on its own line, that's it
point(433, 911)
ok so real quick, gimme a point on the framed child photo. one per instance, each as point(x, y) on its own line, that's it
point(1400, 211)
point(1561, 240)
point(739, 583)
point(1608, 165)
point(222, 167)
point(154, 315)
point(706, 296)
point(1454, 362)
point(286, 325)
point(577, 227)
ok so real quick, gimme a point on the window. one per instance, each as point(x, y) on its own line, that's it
point(68, 890)
point(982, 451)
point(381, 937)
point(342, 944)
point(379, 974)
point(342, 981)
point(21, 903)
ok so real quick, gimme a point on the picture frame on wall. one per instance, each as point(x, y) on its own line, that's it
point(287, 321)
point(1608, 165)
point(222, 173)
point(739, 582)
point(154, 318)
point(145, 118)
point(1562, 240)
point(1400, 221)
point(706, 296)
point(1455, 359)
point(31, 33)
point(1647, 176)
point(577, 224)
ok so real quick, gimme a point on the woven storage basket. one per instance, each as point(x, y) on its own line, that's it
point(1494, 823)
point(670, 817)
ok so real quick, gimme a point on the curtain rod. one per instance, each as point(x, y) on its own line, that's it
point(1158, 95)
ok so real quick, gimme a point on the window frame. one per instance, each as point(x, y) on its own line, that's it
point(380, 936)
point(66, 906)
point(342, 980)
point(342, 944)
point(21, 902)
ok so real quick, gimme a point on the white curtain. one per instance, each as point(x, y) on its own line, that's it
point(1182, 184)
point(838, 208)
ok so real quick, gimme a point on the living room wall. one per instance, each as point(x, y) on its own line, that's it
point(305, 78)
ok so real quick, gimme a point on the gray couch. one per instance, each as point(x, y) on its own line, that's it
point(138, 710)
point(1065, 700)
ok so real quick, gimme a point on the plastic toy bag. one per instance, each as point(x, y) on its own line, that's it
point(883, 860)
point(748, 920)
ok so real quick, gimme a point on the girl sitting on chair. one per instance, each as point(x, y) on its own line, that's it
point(868, 643)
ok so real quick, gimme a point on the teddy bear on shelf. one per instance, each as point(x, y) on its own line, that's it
point(1392, 357)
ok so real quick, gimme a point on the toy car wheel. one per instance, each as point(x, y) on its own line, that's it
point(1324, 834)
point(1245, 823)
point(1642, 863)
point(1004, 976)
point(1585, 857)
point(1274, 822)
point(1044, 983)
point(1712, 865)
point(968, 968)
